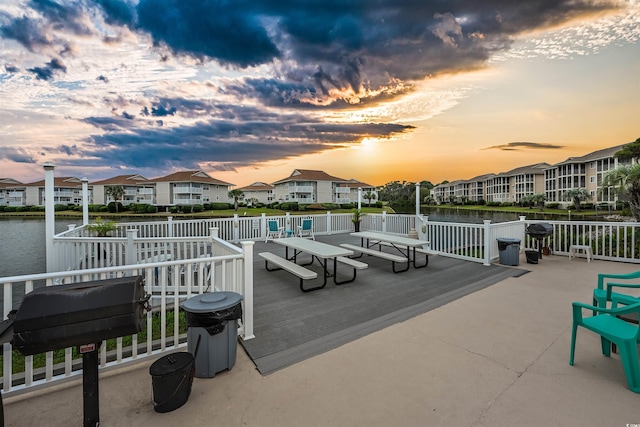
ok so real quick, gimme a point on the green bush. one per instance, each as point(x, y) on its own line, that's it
point(481, 202)
point(174, 209)
point(58, 208)
point(103, 209)
point(198, 208)
point(207, 207)
point(219, 206)
point(378, 204)
point(493, 204)
point(506, 204)
point(331, 206)
point(111, 207)
point(2, 208)
point(289, 206)
point(10, 208)
point(185, 208)
point(553, 205)
point(151, 209)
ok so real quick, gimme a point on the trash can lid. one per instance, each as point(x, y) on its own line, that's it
point(508, 240)
point(171, 364)
point(211, 301)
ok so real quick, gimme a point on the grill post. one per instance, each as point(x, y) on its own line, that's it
point(90, 392)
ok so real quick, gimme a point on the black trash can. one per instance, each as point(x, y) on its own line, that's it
point(509, 251)
point(172, 378)
point(212, 334)
point(532, 257)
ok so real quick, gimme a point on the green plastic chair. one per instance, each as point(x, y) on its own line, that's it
point(611, 329)
point(601, 295)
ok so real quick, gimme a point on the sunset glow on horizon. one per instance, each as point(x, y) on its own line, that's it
point(249, 91)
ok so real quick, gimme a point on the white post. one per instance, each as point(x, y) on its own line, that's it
point(236, 228)
point(417, 201)
point(487, 242)
point(384, 221)
point(288, 227)
point(263, 226)
point(85, 201)
point(131, 257)
point(359, 197)
point(247, 296)
point(49, 212)
point(329, 222)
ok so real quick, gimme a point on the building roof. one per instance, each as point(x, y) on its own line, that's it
point(354, 183)
point(123, 180)
point(309, 175)
point(596, 155)
point(537, 168)
point(257, 186)
point(190, 176)
point(68, 181)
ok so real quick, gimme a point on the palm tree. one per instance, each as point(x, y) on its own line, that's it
point(116, 192)
point(369, 196)
point(538, 200)
point(577, 195)
point(236, 194)
point(626, 180)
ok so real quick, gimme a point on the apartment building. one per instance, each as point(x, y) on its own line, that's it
point(137, 189)
point(260, 191)
point(12, 192)
point(583, 172)
point(190, 188)
point(66, 191)
point(306, 186)
point(553, 180)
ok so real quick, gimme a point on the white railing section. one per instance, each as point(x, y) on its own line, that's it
point(227, 268)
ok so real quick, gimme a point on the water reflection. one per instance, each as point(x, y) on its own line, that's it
point(476, 217)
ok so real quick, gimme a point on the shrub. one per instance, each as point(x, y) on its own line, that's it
point(207, 206)
point(315, 206)
point(218, 206)
point(152, 209)
point(2, 208)
point(342, 206)
point(111, 207)
point(378, 204)
point(186, 209)
point(198, 208)
point(103, 209)
point(20, 208)
point(481, 202)
point(58, 208)
point(174, 209)
point(553, 205)
point(289, 206)
point(10, 208)
point(493, 204)
point(506, 204)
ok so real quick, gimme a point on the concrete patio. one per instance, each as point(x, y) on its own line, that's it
point(497, 357)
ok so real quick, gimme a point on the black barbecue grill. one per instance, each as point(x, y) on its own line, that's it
point(539, 231)
point(79, 314)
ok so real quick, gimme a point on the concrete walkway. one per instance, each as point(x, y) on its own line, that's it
point(498, 357)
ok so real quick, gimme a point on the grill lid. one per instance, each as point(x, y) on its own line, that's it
point(540, 229)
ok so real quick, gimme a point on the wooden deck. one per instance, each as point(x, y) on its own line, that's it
point(291, 326)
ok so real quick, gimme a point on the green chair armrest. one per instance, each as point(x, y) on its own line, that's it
point(578, 306)
point(627, 276)
point(610, 287)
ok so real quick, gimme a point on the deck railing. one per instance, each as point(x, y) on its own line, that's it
point(169, 282)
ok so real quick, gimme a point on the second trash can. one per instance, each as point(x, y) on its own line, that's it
point(212, 331)
point(509, 251)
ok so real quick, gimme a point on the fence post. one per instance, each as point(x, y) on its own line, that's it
point(50, 216)
point(287, 224)
point(263, 226)
point(170, 226)
point(236, 228)
point(247, 291)
point(487, 241)
point(131, 255)
point(522, 233)
point(329, 222)
point(384, 221)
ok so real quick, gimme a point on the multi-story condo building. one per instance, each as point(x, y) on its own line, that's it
point(260, 191)
point(66, 191)
point(313, 186)
point(583, 172)
point(12, 192)
point(137, 189)
point(190, 188)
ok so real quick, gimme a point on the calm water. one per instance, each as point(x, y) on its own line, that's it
point(22, 245)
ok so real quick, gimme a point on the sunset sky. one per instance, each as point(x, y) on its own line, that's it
point(376, 90)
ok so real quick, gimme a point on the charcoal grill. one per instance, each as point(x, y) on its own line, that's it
point(539, 231)
point(78, 314)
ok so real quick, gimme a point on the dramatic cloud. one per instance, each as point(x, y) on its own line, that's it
point(515, 146)
point(18, 155)
point(228, 83)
